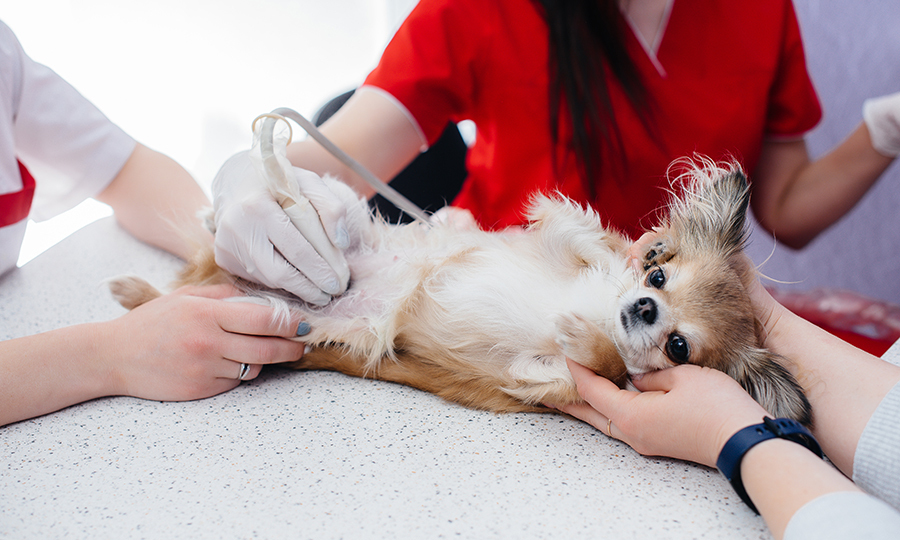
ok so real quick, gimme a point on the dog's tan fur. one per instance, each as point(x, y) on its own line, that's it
point(487, 319)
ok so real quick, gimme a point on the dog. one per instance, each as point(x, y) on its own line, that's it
point(487, 319)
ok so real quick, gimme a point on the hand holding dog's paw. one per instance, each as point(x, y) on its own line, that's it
point(190, 344)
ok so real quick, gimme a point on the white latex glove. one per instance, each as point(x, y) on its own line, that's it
point(256, 239)
point(882, 116)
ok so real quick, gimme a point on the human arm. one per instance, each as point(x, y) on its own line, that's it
point(844, 385)
point(796, 198)
point(157, 201)
point(688, 412)
point(182, 346)
point(374, 129)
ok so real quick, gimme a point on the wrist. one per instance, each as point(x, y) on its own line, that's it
point(741, 443)
point(102, 359)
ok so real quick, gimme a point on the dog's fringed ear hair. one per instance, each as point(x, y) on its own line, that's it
point(712, 213)
point(762, 374)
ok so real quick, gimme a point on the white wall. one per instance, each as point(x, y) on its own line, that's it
point(187, 77)
point(853, 52)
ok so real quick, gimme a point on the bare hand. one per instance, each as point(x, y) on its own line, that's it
point(190, 344)
point(685, 412)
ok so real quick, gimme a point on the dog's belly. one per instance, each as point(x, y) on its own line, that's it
point(492, 300)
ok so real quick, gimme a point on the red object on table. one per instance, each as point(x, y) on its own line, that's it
point(871, 324)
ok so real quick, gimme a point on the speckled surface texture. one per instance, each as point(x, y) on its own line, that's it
point(315, 455)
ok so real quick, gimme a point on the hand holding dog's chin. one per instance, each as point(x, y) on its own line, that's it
point(190, 344)
point(686, 412)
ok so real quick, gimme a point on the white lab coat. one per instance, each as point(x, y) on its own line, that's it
point(71, 149)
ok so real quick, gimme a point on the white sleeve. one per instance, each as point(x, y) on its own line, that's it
point(844, 515)
point(876, 464)
point(72, 149)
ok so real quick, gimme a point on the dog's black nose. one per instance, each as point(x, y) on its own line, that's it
point(645, 309)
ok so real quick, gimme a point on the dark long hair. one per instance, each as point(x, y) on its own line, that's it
point(586, 45)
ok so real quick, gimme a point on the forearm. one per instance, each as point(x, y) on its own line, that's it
point(157, 201)
point(371, 128)
point(799, 199)
point(781, 476)
point(47, 372)
point(844, 384)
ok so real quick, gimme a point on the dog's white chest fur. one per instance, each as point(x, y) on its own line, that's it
point(506, 301)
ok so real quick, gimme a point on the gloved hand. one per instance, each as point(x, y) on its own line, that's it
point(256, 240)
point(882, 116)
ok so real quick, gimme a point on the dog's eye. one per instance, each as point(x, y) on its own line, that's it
point(657, 278)
point(677, 349)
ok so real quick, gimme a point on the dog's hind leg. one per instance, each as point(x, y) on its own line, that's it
point(477, 390)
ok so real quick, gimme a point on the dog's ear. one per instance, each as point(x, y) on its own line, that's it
point(763, 376)
point(713, 212)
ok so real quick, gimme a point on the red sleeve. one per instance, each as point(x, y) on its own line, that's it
point(427, 66)
point(794, 107)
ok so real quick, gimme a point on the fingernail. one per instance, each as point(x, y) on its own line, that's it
point(343, 237)
point(637, 377)
point(303, 328)
point(331, 287)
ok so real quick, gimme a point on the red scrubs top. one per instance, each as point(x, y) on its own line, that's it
point(725, 76)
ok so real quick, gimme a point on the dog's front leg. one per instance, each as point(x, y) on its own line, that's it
point(585, 342)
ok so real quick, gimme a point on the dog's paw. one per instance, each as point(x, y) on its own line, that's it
point(132, 291)
point(586, 343)
point(574, 335)
point(657, 254)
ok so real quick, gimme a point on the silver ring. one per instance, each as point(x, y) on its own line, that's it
point(245, 370)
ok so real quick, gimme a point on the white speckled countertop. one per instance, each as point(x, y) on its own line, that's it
point(315, 454)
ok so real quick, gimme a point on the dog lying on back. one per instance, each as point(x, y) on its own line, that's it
point(487, 319)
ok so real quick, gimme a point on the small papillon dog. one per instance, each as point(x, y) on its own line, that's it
point(487, 319)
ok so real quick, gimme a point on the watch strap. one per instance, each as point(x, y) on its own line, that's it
point(729, 461)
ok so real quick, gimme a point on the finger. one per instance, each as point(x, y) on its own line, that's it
point(330, 207)
point(662, 380)
point(321, 217)
point(586, 413)
point(258, 350)
point(255, 320)
point(304, 217)
point(602, 394)
point(636, 251)
point(234, 370)
point(261, 348)
point(285, 275)
point(295, 251)
point(214, 292)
